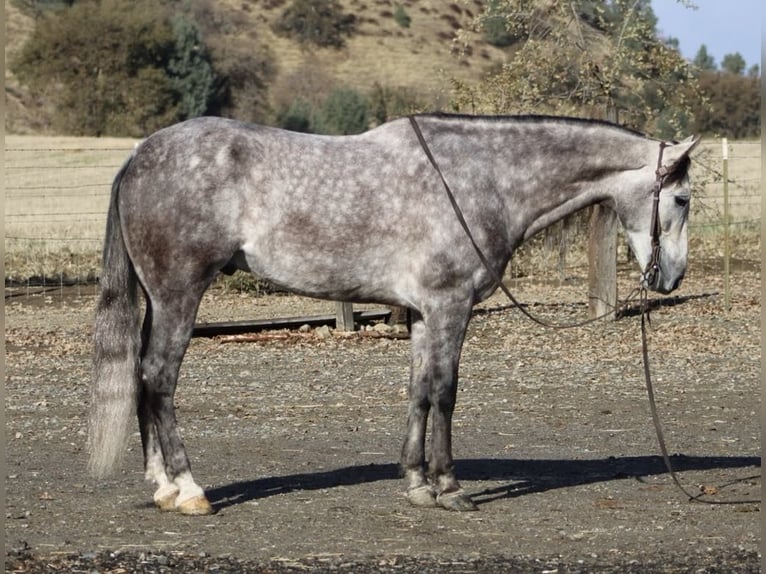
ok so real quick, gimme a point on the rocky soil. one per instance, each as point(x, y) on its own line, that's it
point(296, 435)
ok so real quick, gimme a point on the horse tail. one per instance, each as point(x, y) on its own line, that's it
point(116, 341)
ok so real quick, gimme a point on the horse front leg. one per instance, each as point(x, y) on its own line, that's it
point(419, 492)
point(436, 343)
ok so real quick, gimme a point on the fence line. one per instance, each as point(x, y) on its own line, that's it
point(57, 197)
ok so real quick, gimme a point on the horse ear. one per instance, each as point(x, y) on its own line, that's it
point(675, 153)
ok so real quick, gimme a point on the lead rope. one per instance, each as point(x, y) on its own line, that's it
point(648, 278)
point(645, 319)
point(653, 404)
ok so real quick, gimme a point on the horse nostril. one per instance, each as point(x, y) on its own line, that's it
point(677, 283)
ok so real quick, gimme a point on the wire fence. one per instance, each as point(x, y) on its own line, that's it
point(57, 194)
point(56, 197)
point(744, 182)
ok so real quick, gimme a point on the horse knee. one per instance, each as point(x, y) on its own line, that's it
point(158, 377)
point(443, 395)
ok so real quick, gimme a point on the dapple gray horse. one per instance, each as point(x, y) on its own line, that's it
point(361, 218)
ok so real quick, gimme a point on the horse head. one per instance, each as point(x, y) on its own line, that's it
point(662, 253)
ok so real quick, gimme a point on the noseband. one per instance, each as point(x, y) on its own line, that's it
point(650, 272)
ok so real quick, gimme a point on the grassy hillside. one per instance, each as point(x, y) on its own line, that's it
point(20, 112)
point(421, 58)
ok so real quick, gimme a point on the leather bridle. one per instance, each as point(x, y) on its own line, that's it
point(650, 272)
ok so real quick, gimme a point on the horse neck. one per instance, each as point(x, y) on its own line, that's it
point(547, 170)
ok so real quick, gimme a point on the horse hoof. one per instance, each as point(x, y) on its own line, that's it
point(422, 496)
point(165, 499)
point(167, 504)
point(457, 500)
point(197, 506)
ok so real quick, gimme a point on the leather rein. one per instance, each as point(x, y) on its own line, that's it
point(648, 277)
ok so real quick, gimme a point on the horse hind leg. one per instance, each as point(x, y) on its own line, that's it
point(167, 492)
point(167, 332)
point(154, 463)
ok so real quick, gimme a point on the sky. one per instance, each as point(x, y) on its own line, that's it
point(724, 26)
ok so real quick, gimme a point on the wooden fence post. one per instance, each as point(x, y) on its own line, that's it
point(602, 261)
point(726, 240)
point(344, 316)
point(602, 253)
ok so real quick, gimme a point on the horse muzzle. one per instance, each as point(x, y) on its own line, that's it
point(655, 280)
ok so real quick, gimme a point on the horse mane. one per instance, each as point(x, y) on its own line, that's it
point(533, 118)
point(679, 170)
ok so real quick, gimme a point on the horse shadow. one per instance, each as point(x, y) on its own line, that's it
point(630, 309)
point(521, 477)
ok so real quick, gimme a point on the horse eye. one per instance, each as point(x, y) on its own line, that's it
point(682, 201)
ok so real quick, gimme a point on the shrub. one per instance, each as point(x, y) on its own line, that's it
point(116, 67)
point(401, 17)
point(243, 76)
point(388, 103)
point(243, 65)
point(344, 112)
point(297, 117)
point(494, 25)
point(322, 23)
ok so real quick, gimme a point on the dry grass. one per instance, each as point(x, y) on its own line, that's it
point(56, 197)
point(744, 182)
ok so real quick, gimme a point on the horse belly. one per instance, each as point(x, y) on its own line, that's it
point(324, 267)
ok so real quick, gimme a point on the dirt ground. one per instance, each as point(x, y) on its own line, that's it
point(296, 438)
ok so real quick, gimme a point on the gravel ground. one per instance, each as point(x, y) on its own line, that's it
point(296, 436)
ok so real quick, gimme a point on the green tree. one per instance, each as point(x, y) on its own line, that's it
point(115, 67)
point(703, 60)
point(735, 106)
point(190, 69)
point(586, 57)
point(733, 64)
